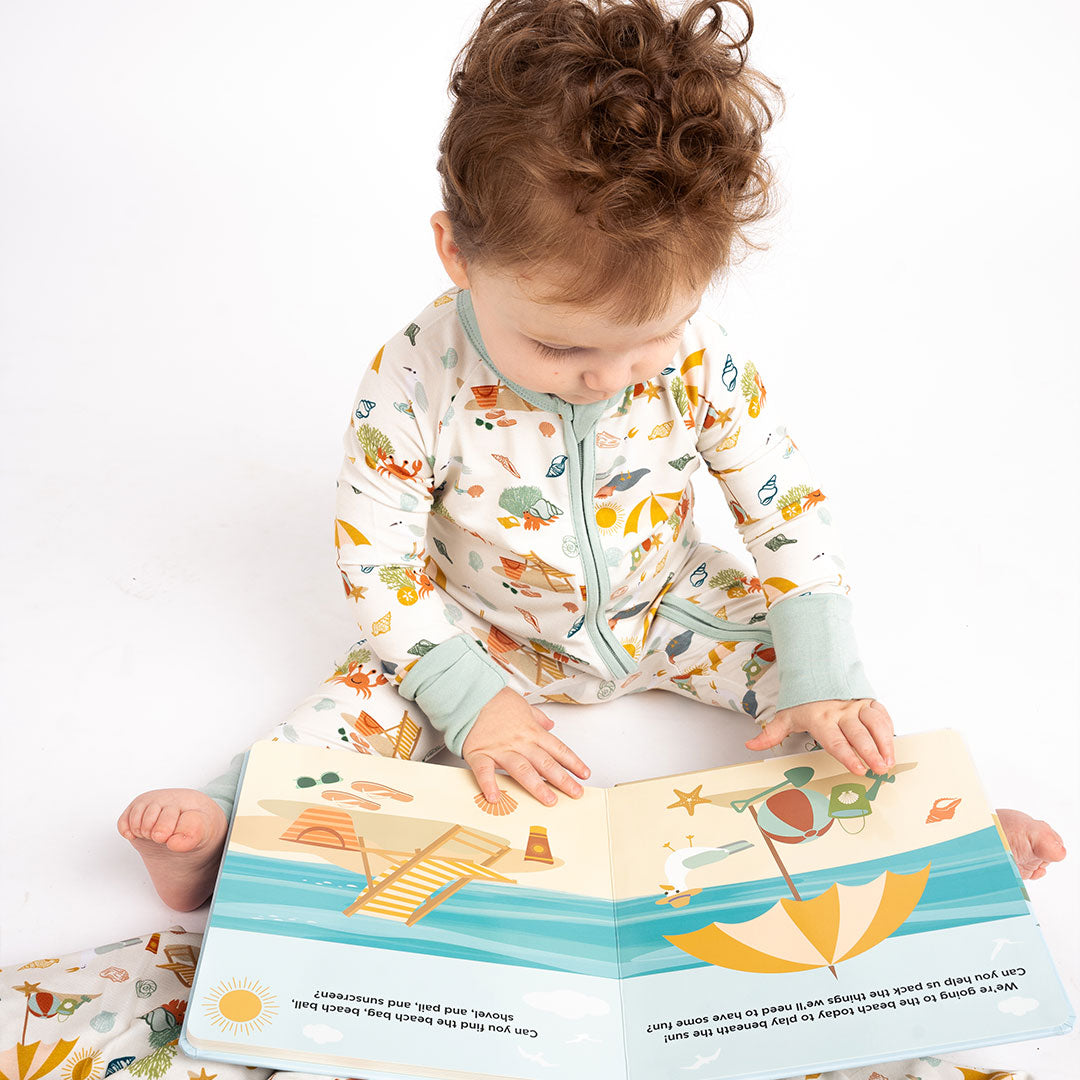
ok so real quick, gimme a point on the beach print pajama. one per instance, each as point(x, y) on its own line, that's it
point(488, 536)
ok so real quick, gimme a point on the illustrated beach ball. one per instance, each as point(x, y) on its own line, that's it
point(795, 815)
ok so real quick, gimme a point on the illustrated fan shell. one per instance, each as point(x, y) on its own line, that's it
point(506, 804)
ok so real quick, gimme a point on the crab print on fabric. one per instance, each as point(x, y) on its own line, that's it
point(471, 505)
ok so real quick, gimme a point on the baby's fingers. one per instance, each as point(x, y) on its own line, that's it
point(879, 723)
point(547, 761)
point(527, 775)
point(862, 743)
point(837, 744)
point(483, 768)
point(520, 768)
point(564, 756)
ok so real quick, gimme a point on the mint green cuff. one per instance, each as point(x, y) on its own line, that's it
point(452, 683)
point(223, 788)
point(816, 655)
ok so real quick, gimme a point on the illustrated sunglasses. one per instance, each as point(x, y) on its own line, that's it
point(326, 778)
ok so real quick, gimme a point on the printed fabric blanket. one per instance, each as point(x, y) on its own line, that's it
point(117, 1009)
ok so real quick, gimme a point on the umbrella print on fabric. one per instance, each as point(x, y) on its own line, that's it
point(33, 1061)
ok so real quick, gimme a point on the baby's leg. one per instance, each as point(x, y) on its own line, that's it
point(180, 832)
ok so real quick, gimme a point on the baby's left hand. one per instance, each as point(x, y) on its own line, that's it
point(859, 733)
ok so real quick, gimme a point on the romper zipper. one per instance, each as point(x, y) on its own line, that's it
point(694, 617)
point(582, 463)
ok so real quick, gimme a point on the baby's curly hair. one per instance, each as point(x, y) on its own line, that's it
point(609, 142)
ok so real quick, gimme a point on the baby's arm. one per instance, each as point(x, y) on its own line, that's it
point(783, 518)
point(429, 648)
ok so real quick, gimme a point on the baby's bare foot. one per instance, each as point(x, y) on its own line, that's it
point(180, 834)
point(1033, 842)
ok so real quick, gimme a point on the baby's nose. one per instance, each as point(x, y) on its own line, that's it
point(608, 383)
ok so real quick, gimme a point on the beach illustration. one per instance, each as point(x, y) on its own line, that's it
point(797, 933)
point(781, 866)
point(612, 916)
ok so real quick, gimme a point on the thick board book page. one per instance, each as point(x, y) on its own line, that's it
point(372, 919)
point(751, 921)
point(810, 919)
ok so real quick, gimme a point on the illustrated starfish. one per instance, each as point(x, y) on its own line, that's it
point(688, 799)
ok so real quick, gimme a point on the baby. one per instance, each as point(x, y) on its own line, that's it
point(515, 509)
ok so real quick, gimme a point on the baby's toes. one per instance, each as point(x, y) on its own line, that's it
point(189, 831)
point(165, 825)
point(1030, 867)
point(1045, 843)
point(144, 818)
point(123, 823)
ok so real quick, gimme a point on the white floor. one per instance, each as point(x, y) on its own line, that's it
point(193, 278)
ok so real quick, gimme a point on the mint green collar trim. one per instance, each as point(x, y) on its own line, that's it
point(582, 417)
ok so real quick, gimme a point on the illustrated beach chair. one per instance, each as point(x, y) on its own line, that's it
point(398, 741)
point(415, 884)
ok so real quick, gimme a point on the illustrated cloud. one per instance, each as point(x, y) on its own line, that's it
point(568, 1004)
point(322, 1033)
point(1018, 1005)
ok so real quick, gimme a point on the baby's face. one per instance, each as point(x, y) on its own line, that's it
point(570, 352)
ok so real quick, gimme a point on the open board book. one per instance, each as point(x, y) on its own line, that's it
point(375, 917)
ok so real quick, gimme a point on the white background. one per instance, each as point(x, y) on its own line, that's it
point(213, 214)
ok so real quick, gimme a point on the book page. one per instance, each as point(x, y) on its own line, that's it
point(374, 918)
point(786, 916)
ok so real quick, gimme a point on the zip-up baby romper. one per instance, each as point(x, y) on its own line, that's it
point(490, 535)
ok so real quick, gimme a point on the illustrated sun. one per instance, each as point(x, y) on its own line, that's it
point(240, 1007)
point(609, 516)
point(86, 1065)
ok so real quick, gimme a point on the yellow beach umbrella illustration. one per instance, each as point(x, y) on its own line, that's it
point(346, 533)
point(657, 510)
point(798, 935)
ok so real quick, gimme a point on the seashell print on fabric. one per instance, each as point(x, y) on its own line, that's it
point(506, 804)
point(507, 464)
point(730, 442)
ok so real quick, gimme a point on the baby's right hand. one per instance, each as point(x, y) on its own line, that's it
point(513, 735)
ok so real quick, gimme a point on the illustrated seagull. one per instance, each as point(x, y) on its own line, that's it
point(537, 1058)
point(680, 862)
point(998, 942)
point(702, 1061)
point(583, 1037)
